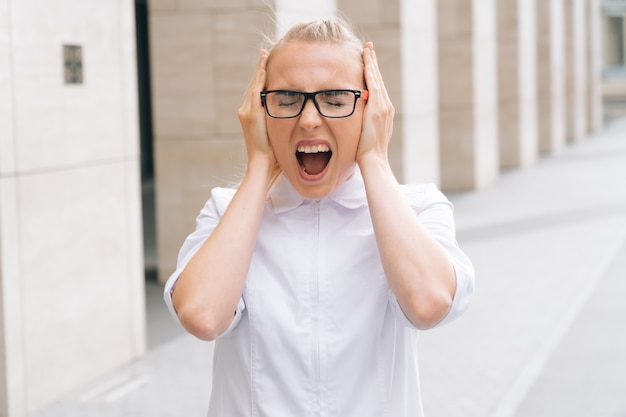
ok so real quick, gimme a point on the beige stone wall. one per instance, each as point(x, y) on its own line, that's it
point(517, 83)
point(203, 56)
point(550, 75)
point(419, 110)
point(455, 125)
point(405, 39)
point(468, 118)
point(71, 265)
point(575, 68)
point(379, 21)
point(593, 61)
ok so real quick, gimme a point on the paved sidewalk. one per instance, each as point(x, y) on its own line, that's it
point(545, 336)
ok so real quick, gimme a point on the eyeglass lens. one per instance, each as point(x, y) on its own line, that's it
point(330, 103)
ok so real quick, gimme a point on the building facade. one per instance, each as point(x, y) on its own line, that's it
point(109, 98)
point(614, 57)
point(478, 86)
point(71, 262)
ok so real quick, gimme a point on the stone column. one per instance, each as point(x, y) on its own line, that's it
point(203, 56)
point(71, 267)
point(594, 66)
point(575, 79)
point(12, 389)
point(468, 118)
point(517, 83)
point(290, 12)
point(405, 38)
point(550, 75)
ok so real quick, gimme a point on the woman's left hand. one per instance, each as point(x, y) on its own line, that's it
point(379, 111)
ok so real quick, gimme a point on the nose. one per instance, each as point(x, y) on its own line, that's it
point(310, 118)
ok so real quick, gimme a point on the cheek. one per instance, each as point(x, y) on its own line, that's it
point(278, 137)
point(352, 133)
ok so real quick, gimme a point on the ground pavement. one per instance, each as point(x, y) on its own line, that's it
point(544, 337)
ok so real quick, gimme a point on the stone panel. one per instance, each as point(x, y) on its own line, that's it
point(12, 386)
point(183, 89)
point(419, 107)
point(211, 5)
point(187, 171)
point(456, 87)
point(456, 142)
point(467, 94)
point(517, 121)
point(364, 13)
point(71, 268)
point(456, 16)
point(236, 45)
point(550, 75)
point(72, 135)
point(594, 66)
point(290, 12)
point(156, 6)
point(404, 36)
point(486, 145)
point(75, 258)
point(7, 145)
point(575, 79)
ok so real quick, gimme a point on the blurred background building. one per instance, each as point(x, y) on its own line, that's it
point(118, 117)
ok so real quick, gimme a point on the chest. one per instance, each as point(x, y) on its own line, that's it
point(316, 260)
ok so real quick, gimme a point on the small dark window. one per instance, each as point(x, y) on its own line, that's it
point(73, 61)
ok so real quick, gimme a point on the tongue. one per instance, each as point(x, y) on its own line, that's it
point(314, 163)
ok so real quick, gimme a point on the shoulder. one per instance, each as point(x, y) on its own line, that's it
point(423, 195)
point(220, 199)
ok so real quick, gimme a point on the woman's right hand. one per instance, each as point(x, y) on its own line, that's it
point(252, 117)
point(209, 288)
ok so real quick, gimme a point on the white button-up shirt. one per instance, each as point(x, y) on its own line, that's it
point(317, 331)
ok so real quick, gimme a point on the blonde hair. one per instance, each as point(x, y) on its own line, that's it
point(335, 31)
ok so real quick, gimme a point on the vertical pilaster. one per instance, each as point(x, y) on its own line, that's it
point(404, 35)
point(550, 75)
point(419, 110)
point(289, 12)
point(594, 66)
point(517, 83)
point(468, 119)
point(575, 80)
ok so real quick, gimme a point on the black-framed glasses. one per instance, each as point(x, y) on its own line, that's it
point(334, 104)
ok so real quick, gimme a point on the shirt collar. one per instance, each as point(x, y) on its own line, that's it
point(351, 194)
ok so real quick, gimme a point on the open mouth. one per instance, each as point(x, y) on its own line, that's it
point(313, 159)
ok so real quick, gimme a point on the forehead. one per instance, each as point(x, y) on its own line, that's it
point(312, 66)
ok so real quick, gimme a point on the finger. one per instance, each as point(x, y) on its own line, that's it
point(252, 98)
point(258, 81)
point(368, 66)
point(252, 104)
point(372, 73)
point(377, 78)
point(377, 75)
point(259, 78)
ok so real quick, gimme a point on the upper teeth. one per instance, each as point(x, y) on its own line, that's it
point(313, 149)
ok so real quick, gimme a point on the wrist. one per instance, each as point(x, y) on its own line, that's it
point(373, 161)
point(263, 170)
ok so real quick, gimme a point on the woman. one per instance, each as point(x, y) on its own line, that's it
point(315, 274)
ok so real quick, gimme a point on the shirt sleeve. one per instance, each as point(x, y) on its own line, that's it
point(206, 222)
point(435, 213)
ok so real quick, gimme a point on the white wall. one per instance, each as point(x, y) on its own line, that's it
point(71, 275)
